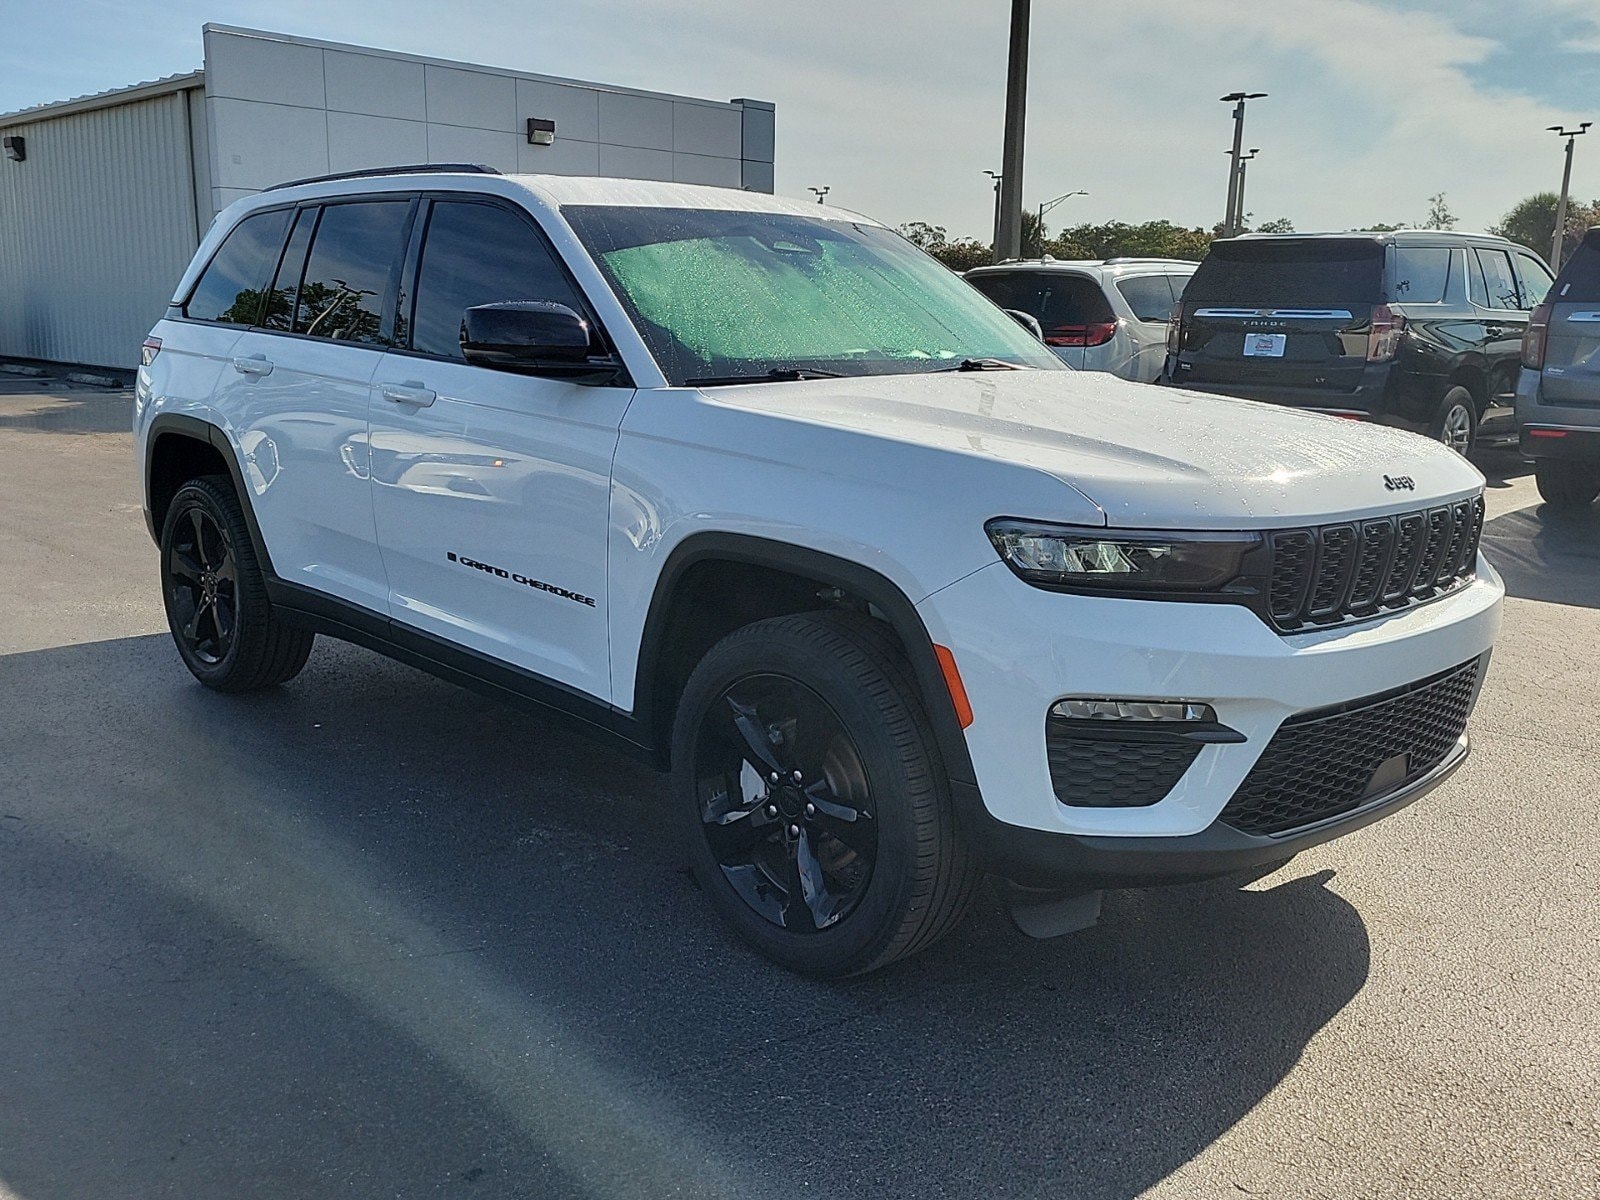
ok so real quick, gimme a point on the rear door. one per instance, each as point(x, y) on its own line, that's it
point(299, 391)
point(1282, 312)
point(1572, 349)
point(1499, 300)
point(1151, 299)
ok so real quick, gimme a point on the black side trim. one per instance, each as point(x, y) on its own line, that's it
point(167, 424)
point(317, 611)
point(384, 172)
point(855, 579)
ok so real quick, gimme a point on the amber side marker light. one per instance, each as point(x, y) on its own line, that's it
point(952, 681)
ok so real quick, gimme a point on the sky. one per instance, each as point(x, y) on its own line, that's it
point(1373, 105)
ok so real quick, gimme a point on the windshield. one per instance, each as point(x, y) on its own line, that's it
point(720, 294)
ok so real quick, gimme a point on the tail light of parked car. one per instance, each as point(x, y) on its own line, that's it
point(1383, 339)
point(1534, 339)
point(1095, 333)
point(148, 352)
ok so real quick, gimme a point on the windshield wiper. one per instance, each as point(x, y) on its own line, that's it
point(776, 375)
point(979, 364)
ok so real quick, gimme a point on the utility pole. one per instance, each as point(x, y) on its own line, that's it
point(1238, 204)
point(1559, 242)
point(1237, 99)
point(995, 253)
point(1008, 232)
point(821, 192)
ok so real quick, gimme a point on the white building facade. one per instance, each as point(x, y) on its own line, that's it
point(104, 198)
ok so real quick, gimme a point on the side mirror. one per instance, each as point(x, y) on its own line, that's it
point(535, 337)
point(1028, 321)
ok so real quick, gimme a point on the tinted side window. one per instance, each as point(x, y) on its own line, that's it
point(1150, 296)
point(230, 288)
point(479, 254)
point(1536, 280)
point(1421, 274)
point(1499, 282)
point(1580, 278)
point(285, 290)
point(353, 257)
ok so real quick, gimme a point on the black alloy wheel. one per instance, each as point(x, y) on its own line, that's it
point(785, 803)
point(202, 579)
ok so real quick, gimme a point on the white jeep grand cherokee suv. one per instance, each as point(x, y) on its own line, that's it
point(769, 497)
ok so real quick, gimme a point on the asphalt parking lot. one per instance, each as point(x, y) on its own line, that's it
point(371, 935)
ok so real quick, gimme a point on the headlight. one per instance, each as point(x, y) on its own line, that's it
point(1116, 560)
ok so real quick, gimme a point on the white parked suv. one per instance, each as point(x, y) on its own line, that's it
point(1097, 316)
point(762, 493)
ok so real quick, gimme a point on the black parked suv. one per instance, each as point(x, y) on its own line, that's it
point(1417, 328)
point(1558, 395)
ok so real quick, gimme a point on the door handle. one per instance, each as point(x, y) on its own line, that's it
point(410, 392)
point(255, 365)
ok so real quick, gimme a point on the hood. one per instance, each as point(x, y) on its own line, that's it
point(1147, 456)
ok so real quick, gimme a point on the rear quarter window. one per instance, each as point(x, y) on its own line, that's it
point(231, 288)
point(1151, 296)
point(1421, 274)
point(1579, 281)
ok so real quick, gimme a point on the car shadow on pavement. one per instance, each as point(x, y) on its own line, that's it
point(1548, 553)
point(1501, 466)
point(370, 934)
point(62, 411)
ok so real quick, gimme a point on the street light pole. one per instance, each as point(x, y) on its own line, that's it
point(1008, 232)
point(1238, 204)
point(995, 244)
point(1237, 99)
point(1558, 243)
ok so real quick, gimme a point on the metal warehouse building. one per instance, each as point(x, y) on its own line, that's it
point(104, 198)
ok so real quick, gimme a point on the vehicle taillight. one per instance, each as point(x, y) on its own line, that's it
point(148, 352)
point(1175, 329)
point(1383, 340)
point(1096, 333)
point(1533, 341)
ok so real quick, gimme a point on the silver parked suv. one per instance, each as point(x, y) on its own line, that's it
point(1097, 316)
point(1558, 393)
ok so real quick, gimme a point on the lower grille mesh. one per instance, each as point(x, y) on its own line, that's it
point(1320, 764)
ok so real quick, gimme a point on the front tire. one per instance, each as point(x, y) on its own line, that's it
point(1456, 422)
point(812, 798)
point(1567, 484)
point(216, 597)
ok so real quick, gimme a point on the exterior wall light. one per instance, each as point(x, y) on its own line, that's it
point(16, 148)
point(541, 132)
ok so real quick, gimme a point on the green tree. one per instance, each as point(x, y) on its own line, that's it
point(1532, 222)
point(1276, 225)
point(1439, 214)
point(963, 254)
point(923, 235)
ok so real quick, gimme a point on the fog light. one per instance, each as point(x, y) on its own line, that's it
point(1133, 710)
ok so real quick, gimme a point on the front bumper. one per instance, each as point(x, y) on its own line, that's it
point(1019, 649)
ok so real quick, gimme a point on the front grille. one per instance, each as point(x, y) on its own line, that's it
point(1358, 569)
point(1323, 763)
point(1105, 772)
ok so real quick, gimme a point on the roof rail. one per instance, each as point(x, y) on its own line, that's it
point(408, 169)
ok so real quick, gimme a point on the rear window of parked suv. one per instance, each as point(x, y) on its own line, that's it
point(1580, 278)
point(1300, 273)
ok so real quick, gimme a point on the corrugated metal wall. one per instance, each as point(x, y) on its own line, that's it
point(96, 226)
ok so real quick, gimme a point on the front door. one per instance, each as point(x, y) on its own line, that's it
point(491, 489)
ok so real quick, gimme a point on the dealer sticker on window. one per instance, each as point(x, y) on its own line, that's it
point(1264, 345)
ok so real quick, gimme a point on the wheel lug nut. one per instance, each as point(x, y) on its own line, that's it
point(794, 831)
point(773, 778)
point(772, 810)
point(811, 810)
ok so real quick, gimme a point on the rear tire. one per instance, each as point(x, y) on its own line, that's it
point(812, 798)
point(1456, 422)
point(216, 596)
point(1567, 484)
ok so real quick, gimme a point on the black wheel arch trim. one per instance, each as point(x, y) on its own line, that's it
point(830, 570)
point(196, 429)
